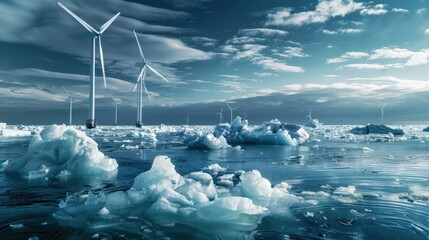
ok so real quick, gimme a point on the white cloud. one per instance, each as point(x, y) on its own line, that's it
point(243, 40)
point(365, 66)
point(421, 11)
point(330, 76)
point(262, 31)
point(324, 10)
point(391, 53)
point(290, 52)
point(342, 31)
point(347, 56)
point(376, 10)
point(273, 64)
point(229, 76)
point(265, 74)
point(427, 31)
point(400, 10)
point(249, 50)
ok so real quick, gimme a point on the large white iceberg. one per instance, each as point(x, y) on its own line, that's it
point(268, 133)
point(60, 151)
point(166, 197)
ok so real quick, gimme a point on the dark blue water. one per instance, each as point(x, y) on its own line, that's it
point(391, 180)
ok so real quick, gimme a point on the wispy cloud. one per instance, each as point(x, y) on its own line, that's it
point(324, 10)
point(342, 31)
point(290, 52)
point(399, 10)
point(347, 56)
point(378, 9)
point(262, 31)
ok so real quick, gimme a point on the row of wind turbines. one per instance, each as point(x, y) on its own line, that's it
point(140, 85)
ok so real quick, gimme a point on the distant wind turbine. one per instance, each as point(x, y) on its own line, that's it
point(309, 116)
point(220, 116)
point(187, 120)
point(232, 109)
point(116, 111)
point(71, 106)
point(90, 122)
point(382, 112)
point(140, 85)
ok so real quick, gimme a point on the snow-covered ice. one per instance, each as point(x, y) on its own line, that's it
point(166, 197)
point(59, 151)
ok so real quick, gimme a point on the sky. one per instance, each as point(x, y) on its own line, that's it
point(343, 59)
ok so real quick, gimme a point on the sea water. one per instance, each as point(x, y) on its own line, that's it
point(352, 187)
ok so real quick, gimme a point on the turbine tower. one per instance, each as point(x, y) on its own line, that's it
point(90, 122)
point(232, 109)
point(220, 116)
point(140, 85)
point(309, 116)
point(116, 111)
point(187, 120)
point(382, 112)
point(71, 106)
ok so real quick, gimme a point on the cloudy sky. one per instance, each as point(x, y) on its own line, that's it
point(272, 59)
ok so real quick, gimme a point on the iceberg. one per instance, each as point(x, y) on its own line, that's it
point(6, 132)
point(268, 133)
point(167, 198)
point(59, 151)
point(206, 141)
point(377, 129)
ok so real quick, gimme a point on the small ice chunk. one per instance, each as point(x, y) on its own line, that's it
point(17, 226)
point(215, 168)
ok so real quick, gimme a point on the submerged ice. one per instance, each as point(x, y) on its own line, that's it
point(196, 199)
point(60, 151)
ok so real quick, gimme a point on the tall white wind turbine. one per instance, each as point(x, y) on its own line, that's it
point(116, 110)
point(220, 116)
point(309, 116)
point(90, 122)
point(232, 109)
point(140, 85)
point(71, 106)
point(382, 112)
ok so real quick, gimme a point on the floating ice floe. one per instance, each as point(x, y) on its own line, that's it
point(8, 132)
point(60, 151)
point(269, 133)
point(377, 129)
point(167, 198)
point(206, 141)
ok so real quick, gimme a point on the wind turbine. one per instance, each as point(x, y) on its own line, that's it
point(232, 109)
point(220, 116)
point(187, 120)
point(71, 106)
point(382, 112)
point(116, 111)
point(144, 65)
point(90, 122)
point(309, 116)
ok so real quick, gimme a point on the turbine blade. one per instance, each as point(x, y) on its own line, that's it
point(67, 91)
point(107, 24)
point(102, 61)
point(157, 73)
point(147, 92)
point(140, 48)
point(84, 24)
point(135, 87)
point(229, 106)
point(113, 99)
